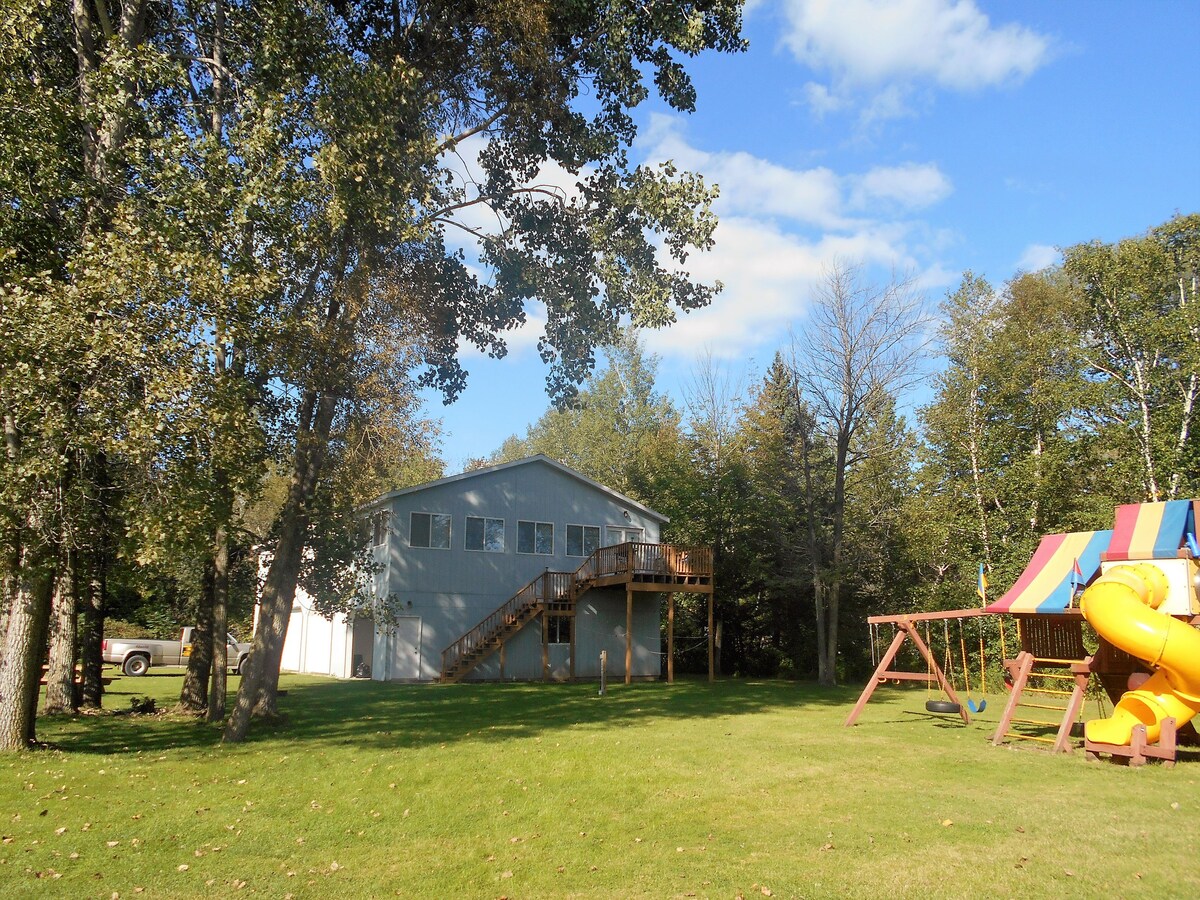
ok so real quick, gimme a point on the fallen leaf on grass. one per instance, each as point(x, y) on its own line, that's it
point(946, 823)
point(506, 875)
point(182, 867)
point(60, 830)
point(333, 866)
point(111, 843)
point(825, 847)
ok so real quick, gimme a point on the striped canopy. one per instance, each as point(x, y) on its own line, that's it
point(1048, 583)
point(1151, 530)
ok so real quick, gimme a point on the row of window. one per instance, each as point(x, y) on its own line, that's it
point(484, 534)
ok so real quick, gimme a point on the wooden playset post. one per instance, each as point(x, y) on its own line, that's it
point(906, 630)
point(671, 638)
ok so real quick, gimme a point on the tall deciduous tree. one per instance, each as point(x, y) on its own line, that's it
point(861, 346)
point(396, 89)
point(1142, 342)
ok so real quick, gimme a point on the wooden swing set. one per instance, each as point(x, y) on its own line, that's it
point(908, 628)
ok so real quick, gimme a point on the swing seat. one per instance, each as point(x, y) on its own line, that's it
point(976, 707)
point(942, 706)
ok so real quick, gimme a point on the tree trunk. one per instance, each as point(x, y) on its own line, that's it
point(24, 644)
point(220, 641)
point(61, 695)
point(91, 630)
point(193, 696)
point(260, 683)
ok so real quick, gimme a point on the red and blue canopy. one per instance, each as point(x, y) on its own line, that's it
point(1050, 581)
point(1065, 563)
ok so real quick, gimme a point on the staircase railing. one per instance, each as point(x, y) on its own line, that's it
point(547, 586)
point(629, 559)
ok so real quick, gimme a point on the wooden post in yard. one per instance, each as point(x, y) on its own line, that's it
point(629, 635)
point(503, 646)
point(671, 638)
point(571, 623)
point(545, 645)
point(711, 664)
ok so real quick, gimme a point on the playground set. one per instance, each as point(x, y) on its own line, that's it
point(1137, 585)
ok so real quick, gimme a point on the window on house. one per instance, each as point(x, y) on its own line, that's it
point(485, 534)
point(558, 629)
point(380, 525)
point(583, 540)
point(535, 537)
point(429, 530)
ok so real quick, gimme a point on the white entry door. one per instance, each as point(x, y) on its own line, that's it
point(406, 649)
point(620, 534)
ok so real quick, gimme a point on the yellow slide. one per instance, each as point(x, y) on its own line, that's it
point(1122, 606)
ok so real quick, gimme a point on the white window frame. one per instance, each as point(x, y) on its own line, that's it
point(625, 529)
point(432, 515)
point(535, 525)
point(485, 548)
point(582, 542)
point(560, 633)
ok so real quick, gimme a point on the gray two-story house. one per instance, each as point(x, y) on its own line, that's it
point(523, 570)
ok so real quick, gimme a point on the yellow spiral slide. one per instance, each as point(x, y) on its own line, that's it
point(1122, 605)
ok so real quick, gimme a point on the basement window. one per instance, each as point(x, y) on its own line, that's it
point(558, 629)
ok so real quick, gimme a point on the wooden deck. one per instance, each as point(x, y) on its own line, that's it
point(638, 567)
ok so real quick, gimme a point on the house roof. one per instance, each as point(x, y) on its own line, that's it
point(540, 458)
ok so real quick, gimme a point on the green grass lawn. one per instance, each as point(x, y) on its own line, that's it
point(737, 788)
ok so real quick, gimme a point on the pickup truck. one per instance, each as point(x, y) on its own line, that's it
point(135, 656)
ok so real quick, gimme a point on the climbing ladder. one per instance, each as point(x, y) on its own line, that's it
point(1049, 682)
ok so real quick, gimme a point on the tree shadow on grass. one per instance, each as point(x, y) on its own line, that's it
point(393, 716)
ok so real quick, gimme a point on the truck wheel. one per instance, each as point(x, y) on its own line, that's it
point(241, 666)
point(136, 666)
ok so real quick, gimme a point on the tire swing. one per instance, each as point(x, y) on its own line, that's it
point(941, 706)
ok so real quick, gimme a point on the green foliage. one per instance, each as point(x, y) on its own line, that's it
point(618, 429)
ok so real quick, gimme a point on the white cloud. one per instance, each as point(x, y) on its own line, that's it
point(1037, 257)
point(911, 186)
point(780, 229)
point(884, 47)
point(820, 197)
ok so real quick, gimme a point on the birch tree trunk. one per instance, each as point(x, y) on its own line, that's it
point(61, 696)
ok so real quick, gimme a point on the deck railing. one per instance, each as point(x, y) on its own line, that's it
point(670, 560)
point(547, 586)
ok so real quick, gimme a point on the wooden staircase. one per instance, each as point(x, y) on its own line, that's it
point(663, 567)
point(551, 591)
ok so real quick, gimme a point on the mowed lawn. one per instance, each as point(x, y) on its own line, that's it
point(738, 788)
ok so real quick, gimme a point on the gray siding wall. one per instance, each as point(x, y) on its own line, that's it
point(452, 590)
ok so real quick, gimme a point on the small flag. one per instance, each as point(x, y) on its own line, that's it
point(981, 586)
point(1076, 577)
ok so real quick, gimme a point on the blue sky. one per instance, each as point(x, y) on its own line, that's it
point(925, 136)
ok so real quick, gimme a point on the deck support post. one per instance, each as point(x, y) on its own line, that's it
point(572, 622)
point(628, 635)
point(671, 638)
point(545, 644)
point(712, 668)
point(503, 648)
